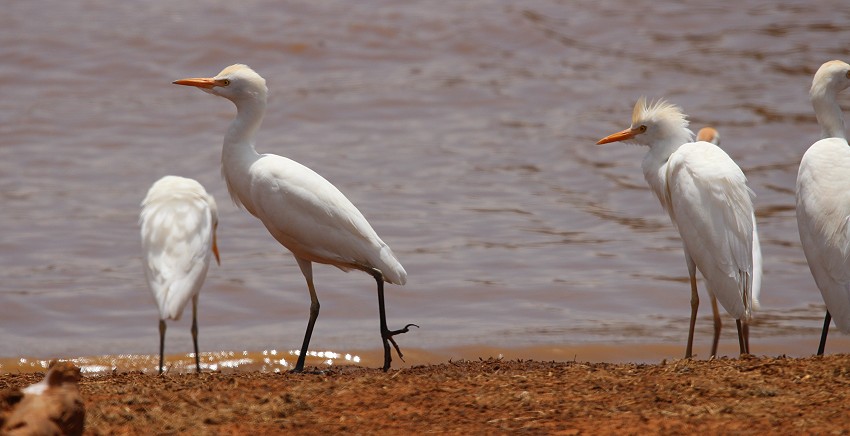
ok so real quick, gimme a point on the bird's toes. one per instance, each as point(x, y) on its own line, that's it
point(388, 336)
point(405, 329)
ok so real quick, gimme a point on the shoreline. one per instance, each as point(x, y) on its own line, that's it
point(748, 395)
point(273, 360)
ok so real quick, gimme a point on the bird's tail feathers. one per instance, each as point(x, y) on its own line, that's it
point(391, 268)
point(756, 304)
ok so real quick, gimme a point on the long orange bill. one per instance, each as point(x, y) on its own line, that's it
point(200, 82)
point(619, 136)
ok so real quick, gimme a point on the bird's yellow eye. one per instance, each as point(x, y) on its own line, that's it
point(224, 82)
point(642, 129)
point(847, 75)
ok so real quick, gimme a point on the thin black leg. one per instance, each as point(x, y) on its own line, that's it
point(741, 342)
point(307, 269)
point(386, 333)
point(826, 320)
point(314, 315)
point(195, 333)
point(161, 343)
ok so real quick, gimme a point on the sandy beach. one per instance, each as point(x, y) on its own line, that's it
point(751, 395)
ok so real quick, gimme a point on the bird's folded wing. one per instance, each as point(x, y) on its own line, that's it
point(714, 211)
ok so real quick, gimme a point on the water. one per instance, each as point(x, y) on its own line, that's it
point(464, 131)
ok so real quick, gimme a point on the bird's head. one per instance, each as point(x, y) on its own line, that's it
point(831, 78)
point(709, 134)
point(235, 83)
point(653, 123)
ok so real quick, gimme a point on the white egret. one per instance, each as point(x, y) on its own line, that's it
point(178, 221)
point(823, 199)
point(710, 134)
point(706, 195)
point(302, 211)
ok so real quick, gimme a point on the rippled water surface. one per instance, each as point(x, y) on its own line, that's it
point(464, 131)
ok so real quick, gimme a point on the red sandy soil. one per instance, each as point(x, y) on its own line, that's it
point(751, 395)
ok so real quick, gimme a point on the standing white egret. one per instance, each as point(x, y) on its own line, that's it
point(303, 211)
point(706, 195)
point(710, 134)
point(178, 221)
point(823, 199)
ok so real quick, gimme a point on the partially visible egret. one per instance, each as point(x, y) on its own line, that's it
point(823, 199)
point(178, 221)
point(710, 134)
point(302, 211)
point(706, 195)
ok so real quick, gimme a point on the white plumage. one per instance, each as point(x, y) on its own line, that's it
point(314, 220)
point(706, 196)
point(178, 223)
point(823, 198)
point(709, 134)
point(300, 209)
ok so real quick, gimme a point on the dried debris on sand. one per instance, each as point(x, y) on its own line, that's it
point(752, 395)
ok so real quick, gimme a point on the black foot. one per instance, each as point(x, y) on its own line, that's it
point(388, 336)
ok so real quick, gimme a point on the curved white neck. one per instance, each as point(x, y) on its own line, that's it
point(240, 133)
point(665, 144)
point(238, 152)
point(654, 163)
point(828, 113)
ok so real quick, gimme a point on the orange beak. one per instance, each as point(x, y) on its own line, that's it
point(619, 136)
point(200, 82)
point(215, 249)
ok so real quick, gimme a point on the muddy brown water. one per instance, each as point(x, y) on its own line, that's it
point(464, 132)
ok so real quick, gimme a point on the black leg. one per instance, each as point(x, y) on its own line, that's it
point(741, 342)
point(195, 332)
point(307, 270)
point(161, 343)
point(826, 320)
point(386, 333)
point(314, 315)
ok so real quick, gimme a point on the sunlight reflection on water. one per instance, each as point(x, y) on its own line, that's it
point(218, 361)
point(272, 360)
